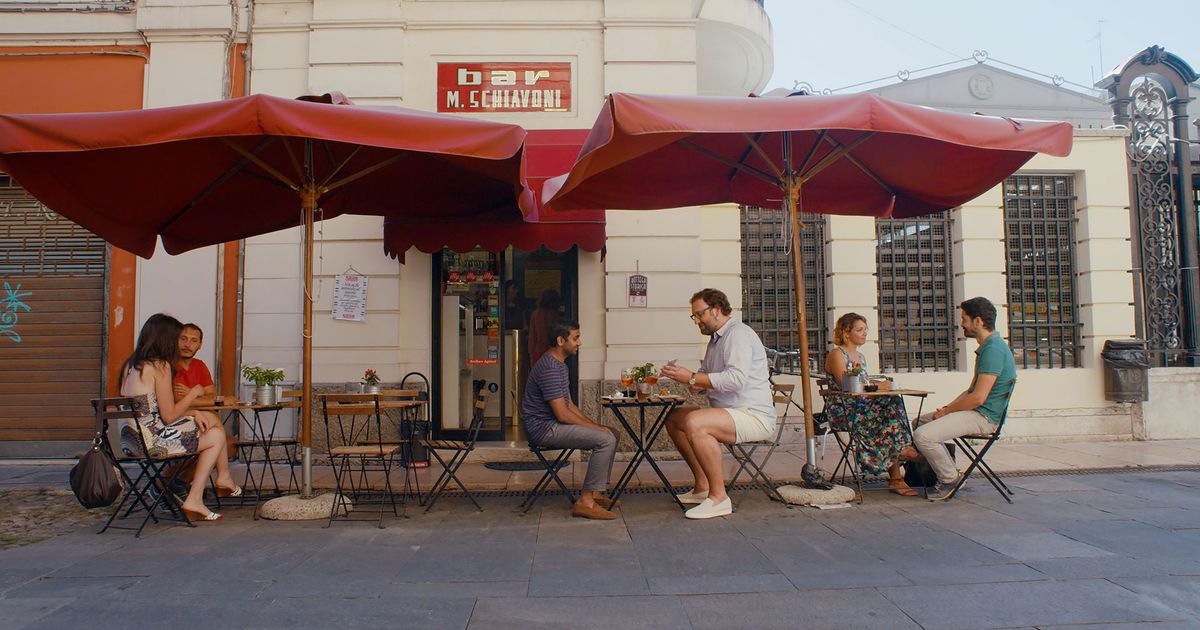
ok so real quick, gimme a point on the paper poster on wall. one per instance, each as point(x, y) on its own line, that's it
point(638, 290)
point(350, 297)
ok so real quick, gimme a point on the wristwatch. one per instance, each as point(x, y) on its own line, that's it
point(692, 380)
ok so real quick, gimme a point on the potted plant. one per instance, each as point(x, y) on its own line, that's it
point(852, 380)
point(370, 381)
point(264, 380)
point(643, 375)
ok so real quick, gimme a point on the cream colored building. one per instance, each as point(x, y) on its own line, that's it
point(387, 53)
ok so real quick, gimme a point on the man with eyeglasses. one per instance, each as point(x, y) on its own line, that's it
point(734, 376)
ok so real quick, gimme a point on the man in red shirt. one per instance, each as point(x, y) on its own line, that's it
point(192, 371)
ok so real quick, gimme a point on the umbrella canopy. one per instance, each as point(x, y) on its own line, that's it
point(900, 160)
point(548, 153)
point(856, 155)
point(209, 173)
point(214, 172)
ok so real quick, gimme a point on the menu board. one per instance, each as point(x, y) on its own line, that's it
point(639, 286)
point(350, 297)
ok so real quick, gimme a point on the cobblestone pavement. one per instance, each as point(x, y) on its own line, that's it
point(1118, 548)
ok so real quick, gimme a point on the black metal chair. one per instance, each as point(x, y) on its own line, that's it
point(551, 474)
point(459, 450)
point(152, 489)
point(743, 452)
point(418, 428)
point(976, 455)
point(836, 424)
point(349, 419)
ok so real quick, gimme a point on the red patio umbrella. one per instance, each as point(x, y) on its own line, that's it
point(859, 154)
point(209, 173)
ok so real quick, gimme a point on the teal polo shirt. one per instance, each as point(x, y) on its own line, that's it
point(994, 357)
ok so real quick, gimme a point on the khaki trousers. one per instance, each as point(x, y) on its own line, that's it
point(931, 435)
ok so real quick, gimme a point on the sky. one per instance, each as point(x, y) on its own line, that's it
point(837, 43)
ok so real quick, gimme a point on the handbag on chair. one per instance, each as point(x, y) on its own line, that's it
point(95, 479)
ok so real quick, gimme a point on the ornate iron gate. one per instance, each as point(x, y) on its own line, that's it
point(1149, 95)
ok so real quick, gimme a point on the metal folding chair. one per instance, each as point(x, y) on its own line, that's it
point(837, 425)
point(349, 419)
point(965, 443)
point(551, 474)
point(459, 450)
point(743, 452)
point(151, 490)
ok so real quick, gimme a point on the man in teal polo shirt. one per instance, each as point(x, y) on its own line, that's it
point(975, 411)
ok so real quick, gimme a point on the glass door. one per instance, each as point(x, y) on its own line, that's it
point(491, 315)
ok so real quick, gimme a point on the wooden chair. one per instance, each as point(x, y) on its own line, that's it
point(153, 488)
point(353, 424)
point(459, 450)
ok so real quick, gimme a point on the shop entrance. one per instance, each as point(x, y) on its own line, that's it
point(490, 313)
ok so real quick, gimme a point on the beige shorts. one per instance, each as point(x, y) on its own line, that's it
point(750, 426)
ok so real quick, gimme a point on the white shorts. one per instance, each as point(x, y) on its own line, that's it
point(751, 426)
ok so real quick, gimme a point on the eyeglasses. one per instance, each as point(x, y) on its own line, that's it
point(696, 316)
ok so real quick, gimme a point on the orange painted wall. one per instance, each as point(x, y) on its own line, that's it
point(85, 79)
point(44, 80)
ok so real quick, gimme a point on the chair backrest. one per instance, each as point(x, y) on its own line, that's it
point(401, 394)
point(1004, 414)
point(782, 396)
point(362, 411)
point(477, 415)
point(117, 408)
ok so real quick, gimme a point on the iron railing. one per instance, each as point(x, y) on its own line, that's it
point(1039, 229)
point(768, 296)
point(916, 301)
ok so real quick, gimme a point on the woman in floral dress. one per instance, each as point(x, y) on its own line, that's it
point(880, 424)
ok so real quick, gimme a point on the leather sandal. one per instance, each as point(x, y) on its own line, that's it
point(226, 492)
point(194, 515)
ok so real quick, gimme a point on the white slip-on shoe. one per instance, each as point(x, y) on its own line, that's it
point(691, 497)
point(708, 509)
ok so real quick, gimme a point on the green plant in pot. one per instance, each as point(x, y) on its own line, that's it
point(264, 380)
point(370, 381)
point(645, 376)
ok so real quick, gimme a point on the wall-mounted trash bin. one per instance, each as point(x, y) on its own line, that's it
point(1126, 367)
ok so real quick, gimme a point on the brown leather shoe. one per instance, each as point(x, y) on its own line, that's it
point(594, 512)
point(606, 502)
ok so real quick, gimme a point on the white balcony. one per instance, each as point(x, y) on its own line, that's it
point(734, 53)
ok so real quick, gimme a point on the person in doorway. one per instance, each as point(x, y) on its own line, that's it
point(553, 420)
point(164, 429)
point(880, 424)
point(975, 411)
point(541, 321)
point(734, 375)
point(191, 371)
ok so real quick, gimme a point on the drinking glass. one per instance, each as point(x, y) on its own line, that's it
point(652, 378)
point(627, 380)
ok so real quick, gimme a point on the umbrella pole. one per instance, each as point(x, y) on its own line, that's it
point(811, 474)
point(309, 203)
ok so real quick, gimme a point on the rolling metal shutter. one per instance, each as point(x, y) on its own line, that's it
point(52, 278)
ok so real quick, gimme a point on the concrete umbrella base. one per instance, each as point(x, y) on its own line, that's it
point(797, 495)
point(295, 508)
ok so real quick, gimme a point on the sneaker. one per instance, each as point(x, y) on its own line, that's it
point(692, 497)
point(943, 491)
point(594, 512)
point(708, 509)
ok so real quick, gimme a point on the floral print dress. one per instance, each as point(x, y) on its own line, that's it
point(879, 425)
point(181, 437)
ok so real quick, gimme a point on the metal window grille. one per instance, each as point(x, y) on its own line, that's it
point(35, 241)
point(916, 301)
point(768, 296)
point(1039, 243)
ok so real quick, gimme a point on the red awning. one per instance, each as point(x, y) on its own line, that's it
point(548, 153)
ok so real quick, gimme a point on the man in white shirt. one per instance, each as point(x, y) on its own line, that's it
point(734, 377)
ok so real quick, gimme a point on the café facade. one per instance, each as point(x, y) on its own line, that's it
point(453, 302)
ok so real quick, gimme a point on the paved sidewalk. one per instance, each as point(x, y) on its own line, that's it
point(1118, 548)
point(784, 467)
